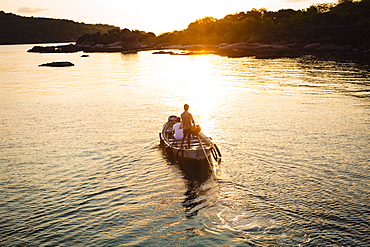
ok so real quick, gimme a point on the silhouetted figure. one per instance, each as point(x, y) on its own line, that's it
point(187, 121)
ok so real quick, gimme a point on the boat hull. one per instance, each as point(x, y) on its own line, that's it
point(193, 154)
point(200, 145)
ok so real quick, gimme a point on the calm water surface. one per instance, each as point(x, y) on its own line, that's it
point(80, 163)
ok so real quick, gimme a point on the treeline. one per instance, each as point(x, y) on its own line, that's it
point(124, 37)
point(346, 22)
point(15, 29)
point(115, 40)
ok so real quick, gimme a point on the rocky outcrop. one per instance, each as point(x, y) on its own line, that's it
point(275, 51)
point(258, 50)
point(115, 40)
point(242, 49)
point(57, 64)
point(164, 52)
point(114, 47)
point(55, 49)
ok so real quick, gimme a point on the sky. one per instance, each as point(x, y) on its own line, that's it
point(156, 16)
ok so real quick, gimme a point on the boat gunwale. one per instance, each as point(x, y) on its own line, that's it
point(201, 137)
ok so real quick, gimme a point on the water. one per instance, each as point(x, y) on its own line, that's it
point(80, 163)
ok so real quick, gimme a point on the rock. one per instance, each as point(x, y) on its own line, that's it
point(118, 46)
point(257, 50)
point(242, 49)
point(58, 64)
point(273, 51)
point(333, 48)
point(55, 49)
point(342, 53)
point(187, 53)
point(180, 53)
point(164, 52)
point(311, 46)
point(115, 47)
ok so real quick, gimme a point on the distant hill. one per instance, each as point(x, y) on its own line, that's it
point(15, 29)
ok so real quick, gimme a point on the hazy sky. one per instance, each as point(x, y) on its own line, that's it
point(146, 15)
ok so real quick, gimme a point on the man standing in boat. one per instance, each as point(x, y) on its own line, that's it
point(187, 120)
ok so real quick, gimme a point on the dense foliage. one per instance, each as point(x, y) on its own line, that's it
point(125, 37)
point(346, 22)
point(16, 29)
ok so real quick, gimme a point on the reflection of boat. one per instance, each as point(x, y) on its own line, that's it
point(200, 182)
point(195, 171)
point(199, 175)
point(201, 146)
point(201, 188)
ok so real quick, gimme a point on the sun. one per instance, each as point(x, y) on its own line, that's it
point(197, 83)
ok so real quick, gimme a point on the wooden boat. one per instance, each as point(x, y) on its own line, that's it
point(201, 146)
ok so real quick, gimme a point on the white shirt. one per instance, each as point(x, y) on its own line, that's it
point(178, 132)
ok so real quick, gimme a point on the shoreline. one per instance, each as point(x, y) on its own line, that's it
point(234, 50)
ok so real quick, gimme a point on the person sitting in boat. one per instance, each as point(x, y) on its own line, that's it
point(177, 128)
point(195, 130)
point(187, 121)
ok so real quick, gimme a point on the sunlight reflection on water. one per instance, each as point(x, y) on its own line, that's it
point(80, 163)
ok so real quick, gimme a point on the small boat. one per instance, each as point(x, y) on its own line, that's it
point(201, 146)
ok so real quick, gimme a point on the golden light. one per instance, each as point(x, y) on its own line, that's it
point(198, 84)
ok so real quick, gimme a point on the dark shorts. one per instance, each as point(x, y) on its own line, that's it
point(187, 133)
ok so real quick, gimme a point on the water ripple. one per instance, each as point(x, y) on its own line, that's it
point(80, 162)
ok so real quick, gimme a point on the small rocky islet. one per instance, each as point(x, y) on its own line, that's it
point(57, 64)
